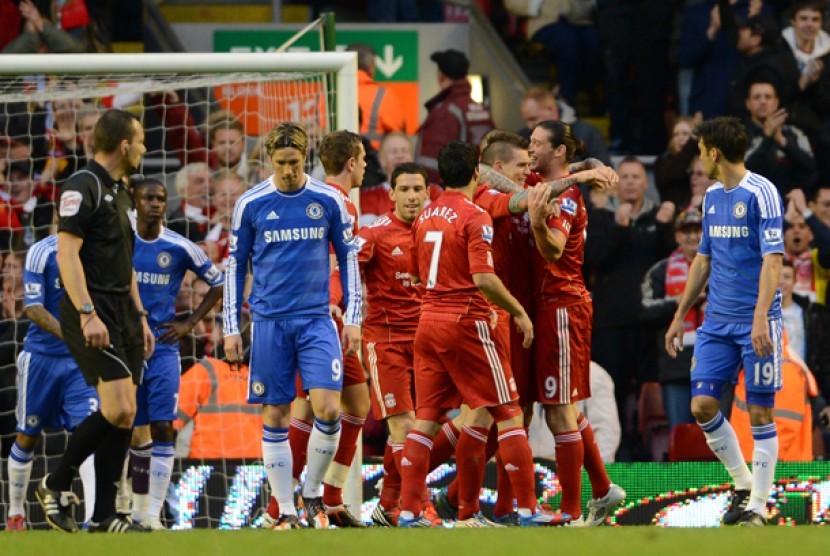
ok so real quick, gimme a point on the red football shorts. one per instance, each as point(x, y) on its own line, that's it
point(392, 386)
point(520, 364)
point(457, 360)
point(563, 353)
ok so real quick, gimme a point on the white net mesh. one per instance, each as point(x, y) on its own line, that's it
point(204, 136)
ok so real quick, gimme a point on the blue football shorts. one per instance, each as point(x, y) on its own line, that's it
point(280, 348)
point(51, 393)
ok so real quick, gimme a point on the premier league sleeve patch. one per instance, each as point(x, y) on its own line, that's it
point(773, 236)
point(487, 233)
point(569, 206)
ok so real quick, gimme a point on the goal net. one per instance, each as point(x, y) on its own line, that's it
point(205, 118)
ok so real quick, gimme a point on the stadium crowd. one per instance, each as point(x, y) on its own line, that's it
point(641, 235)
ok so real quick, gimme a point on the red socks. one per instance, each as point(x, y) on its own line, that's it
point(444, 447)
point(517, 461)
point(390, 494)
point(350, 427)
point(470, 457)
point(298, 433)
point(600, 483)
point(505, 497)
point(569, 457)
point(414, 469)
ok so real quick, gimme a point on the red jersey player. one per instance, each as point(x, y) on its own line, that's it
point(389, 327)
point(563, 317)
point(456, 359)
point(375, 201)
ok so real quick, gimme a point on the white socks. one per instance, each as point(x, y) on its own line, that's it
point(322, 445)
point(87, 473)
point(721, 438)
point(764, 459)
point(20, 471)
point(161, 467)
point(276, 455)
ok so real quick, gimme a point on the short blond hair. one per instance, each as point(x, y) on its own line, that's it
point(287, 135)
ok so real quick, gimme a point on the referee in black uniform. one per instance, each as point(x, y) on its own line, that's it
point(102, 319)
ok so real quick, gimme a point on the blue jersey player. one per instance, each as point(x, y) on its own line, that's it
point(51, 391)
point(161, 259)
point(740, 254)
point(283, 228)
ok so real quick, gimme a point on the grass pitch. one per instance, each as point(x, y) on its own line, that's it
point(639, 541)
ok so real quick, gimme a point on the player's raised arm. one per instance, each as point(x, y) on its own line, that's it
point(550, 242)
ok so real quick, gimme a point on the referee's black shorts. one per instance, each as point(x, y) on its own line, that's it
point(124, 358)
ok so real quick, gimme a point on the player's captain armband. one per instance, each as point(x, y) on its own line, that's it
point(569, 206)
point(773, 235)
point(70, 203)
point(487, 233)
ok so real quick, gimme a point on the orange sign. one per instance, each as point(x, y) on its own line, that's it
point(261, 106)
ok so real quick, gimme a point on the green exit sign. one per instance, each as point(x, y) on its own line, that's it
point(397, 51)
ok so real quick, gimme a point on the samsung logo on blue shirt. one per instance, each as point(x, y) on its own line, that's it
point(294, 234)
point(727, 232)
point(152, 278)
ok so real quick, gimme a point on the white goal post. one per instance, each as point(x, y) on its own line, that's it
point(342, 64)
point(317, 89)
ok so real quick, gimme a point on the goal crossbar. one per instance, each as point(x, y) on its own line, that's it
point(343, 65)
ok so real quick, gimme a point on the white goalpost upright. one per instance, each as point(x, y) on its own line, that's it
point(178, 97)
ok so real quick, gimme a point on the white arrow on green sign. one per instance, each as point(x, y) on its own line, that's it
point(397, 51)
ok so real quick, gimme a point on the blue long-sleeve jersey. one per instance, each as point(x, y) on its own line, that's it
point(285, 238)
point(740, 226)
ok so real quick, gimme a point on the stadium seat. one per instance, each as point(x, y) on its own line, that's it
point(652, 423)
point(687, 443)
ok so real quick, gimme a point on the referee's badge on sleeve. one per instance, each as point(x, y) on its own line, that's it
point(70, 203)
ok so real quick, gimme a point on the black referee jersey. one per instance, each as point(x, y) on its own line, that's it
point(96, 208)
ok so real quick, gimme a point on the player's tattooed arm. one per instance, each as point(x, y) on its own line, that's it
point(44, 319)
point(518, 201)
point(587, 164)
point(499, 182)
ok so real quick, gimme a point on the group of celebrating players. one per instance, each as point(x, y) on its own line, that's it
point(442, 329)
